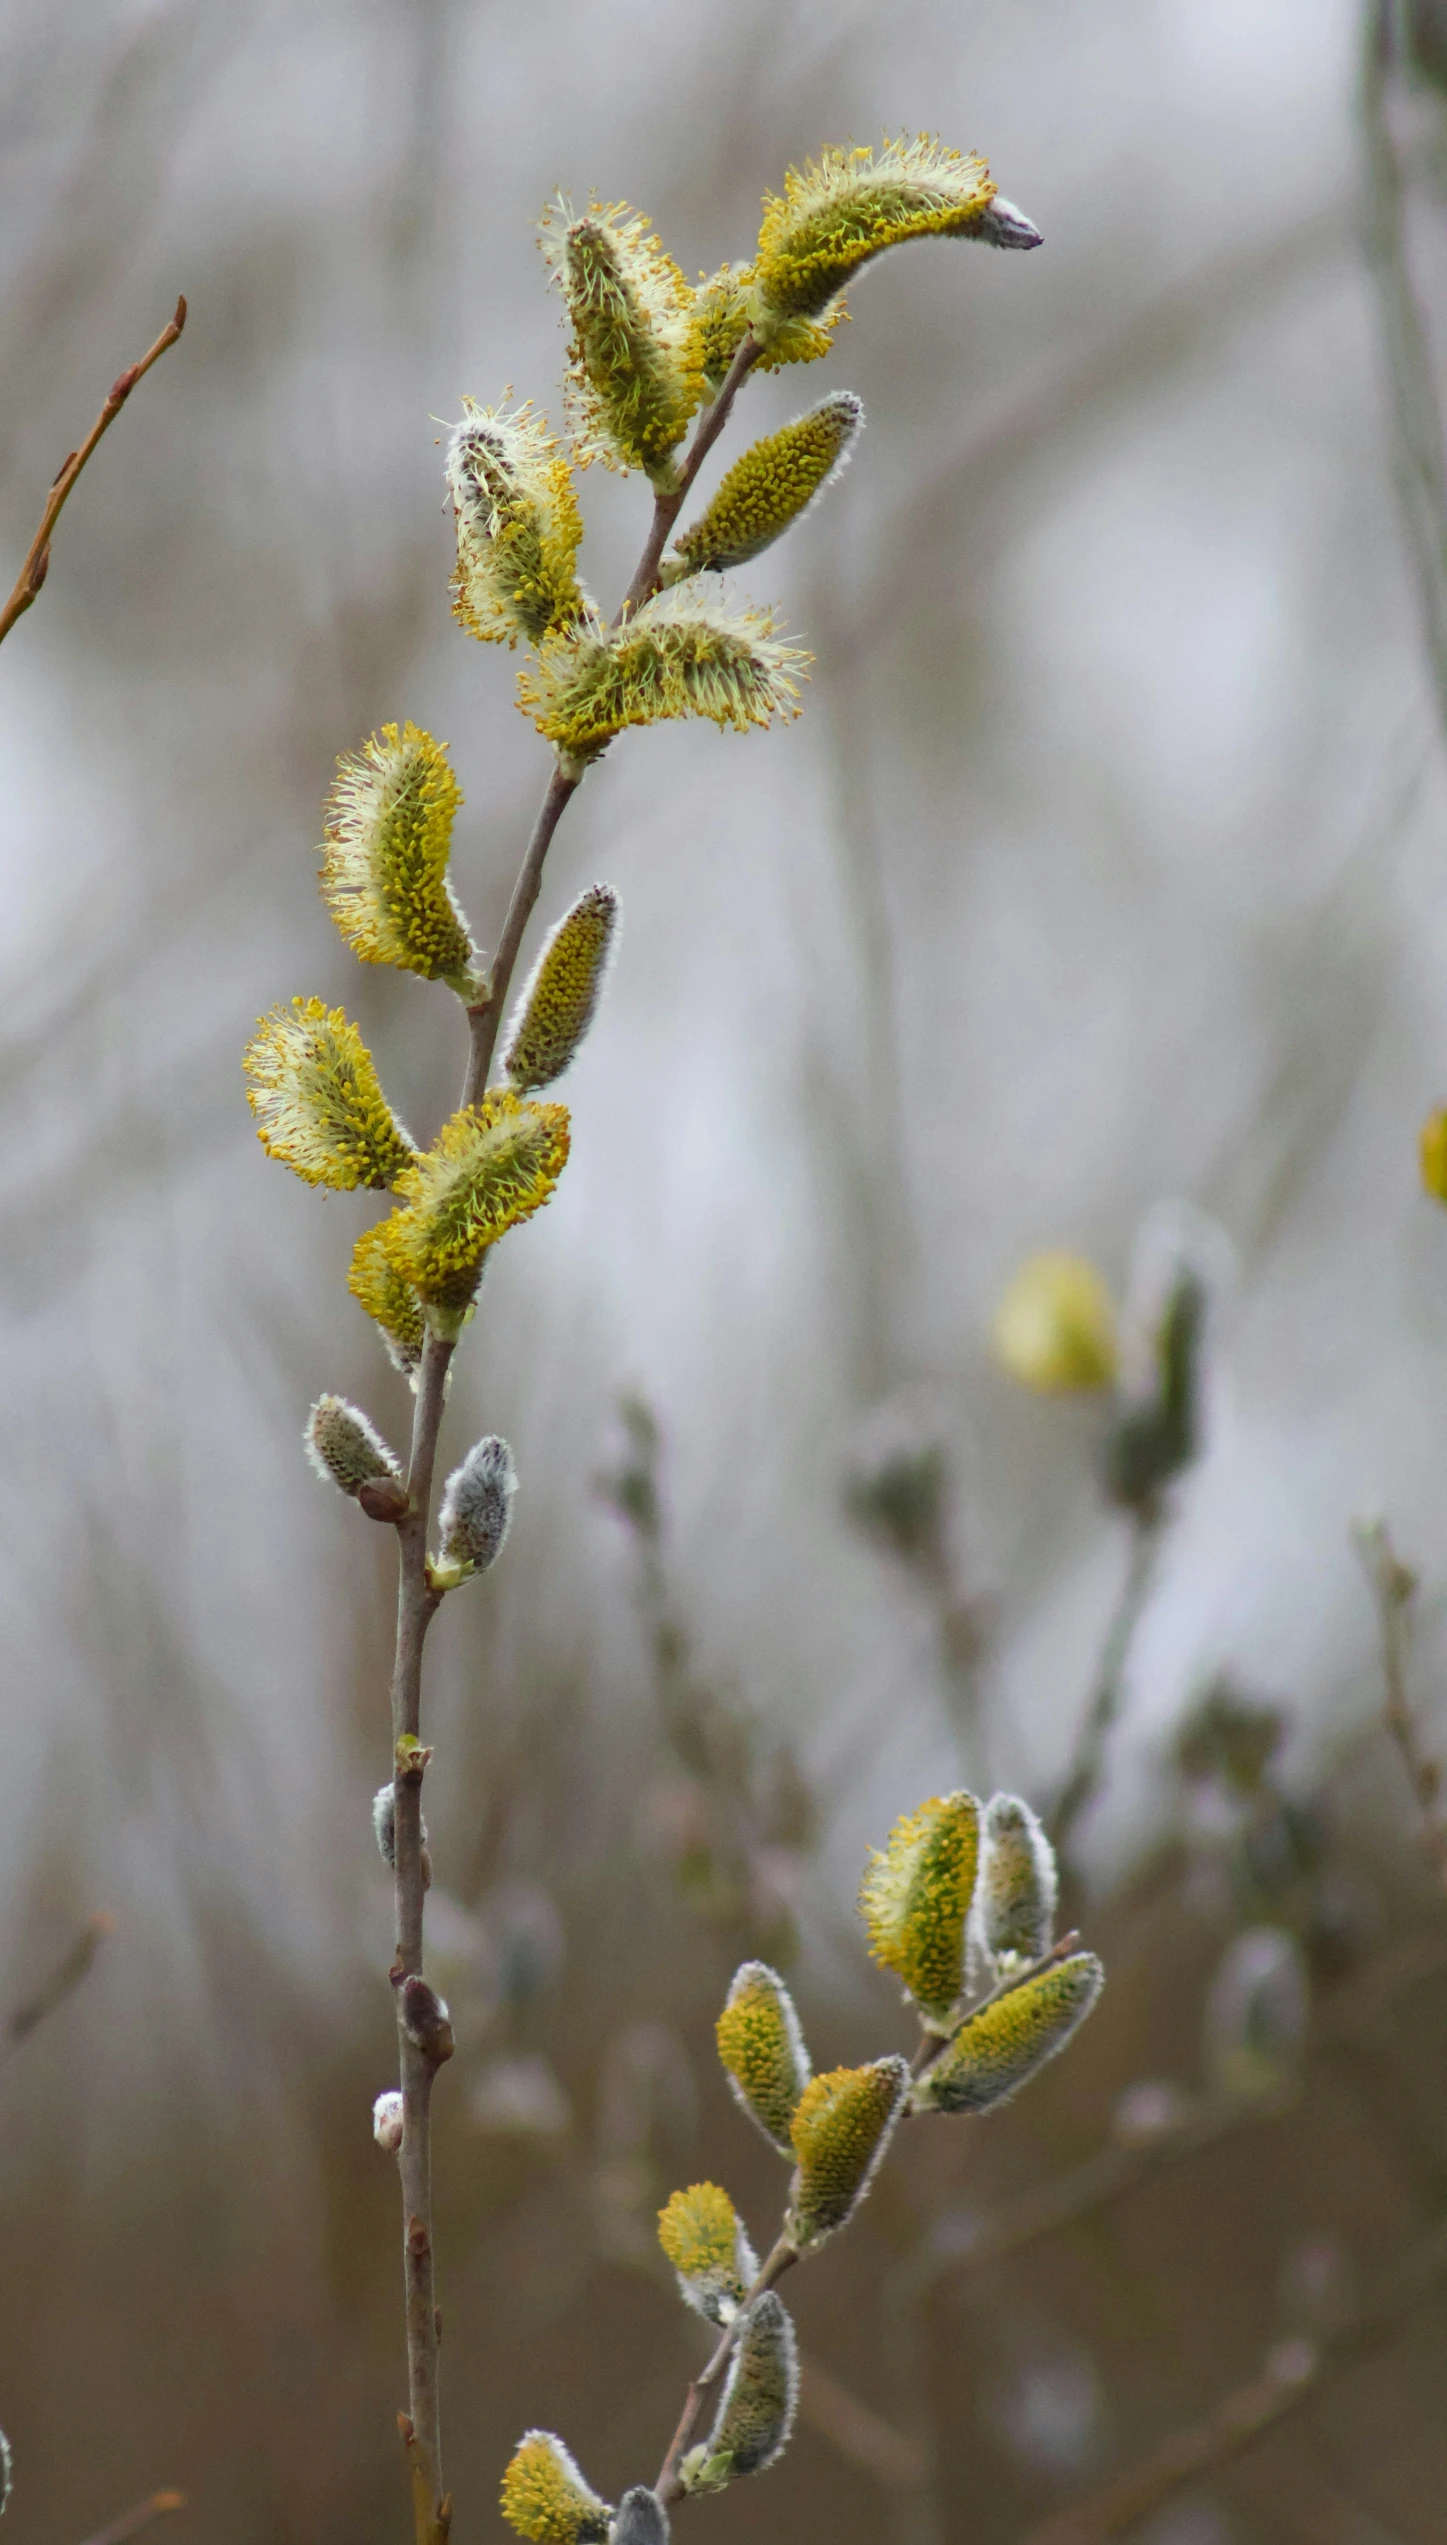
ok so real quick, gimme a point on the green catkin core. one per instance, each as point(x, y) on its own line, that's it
point(561, 999)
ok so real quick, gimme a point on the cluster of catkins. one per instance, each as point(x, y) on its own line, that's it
point(960, 1905)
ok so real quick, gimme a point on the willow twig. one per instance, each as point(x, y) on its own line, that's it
point(1291, 2374)
point(1394, 1587)
point(132, 2522)
point(61, 1983)
point(1088, 1762)
point(37, 560)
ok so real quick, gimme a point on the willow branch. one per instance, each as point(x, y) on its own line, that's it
point(667, 507)
point(132, 2522)
point(1393, 1588)
point(37, 560)
point(61, 1983)
point(1087, 1765)
point(1292, 2373)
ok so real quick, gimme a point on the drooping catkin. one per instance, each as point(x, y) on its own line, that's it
point(561, 998)
point(840, 211)
point(844, 2122)
point(389, 1300)
point(762, 2049)
point(679, 655)
point(770, 488)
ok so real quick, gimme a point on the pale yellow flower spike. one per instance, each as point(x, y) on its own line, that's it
point(493, 1164)
point(680, 655)
point(391, 1302)
point(702, 2235)
point(545, 2498)
point(318, 1101)
point(718, 321)
point(770, 488)
point(843, 2125)
point(762, 2049)
point(1001, 2048)
point(915, 1897)
point(384, 860)
point(848, 206)
point(518, 527)
point(634, 379)
point(1055, 1326)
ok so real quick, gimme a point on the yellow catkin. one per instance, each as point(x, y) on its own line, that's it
point(544, 2496)
point(998, 2050)
point(703, 2237)
point(762, 2049)
point(384, 859)
point(771, 487)
point(389, 1301)
point(915, 1897)
point(841, 2129)
point(677, 656)
point(561, 998)
point(318, 1101)
point(1055, 1329)
point(634, 381)
point(518, 526)
point(493, 1164)
point(718, 321)
point(1433, 1148)
point(848, 206)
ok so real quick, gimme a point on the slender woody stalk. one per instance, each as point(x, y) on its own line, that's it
point(417, 1603)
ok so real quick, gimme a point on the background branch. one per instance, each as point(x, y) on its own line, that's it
point(61, 1983)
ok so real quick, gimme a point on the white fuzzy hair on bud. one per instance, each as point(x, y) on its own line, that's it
point(346, 1448)
point(387, 2121)
point(641, 2519)
point(384, 1824)
point(476, 1513)
point(1003, 224)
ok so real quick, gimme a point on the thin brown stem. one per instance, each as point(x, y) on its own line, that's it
point(132, 2522)
point(59, 1983)
point(1088, 1763)
point(1394, 1588)
point(485, 1016)
point(37, 560)
point(667, 507)
point(668, 2486)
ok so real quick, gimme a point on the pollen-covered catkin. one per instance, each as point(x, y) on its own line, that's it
point(632, 386)
point(518, 526)
point(755, 2417)
point(999, 2049)
point(545, 2497)
point(848, 206)
point(704, 2238)
point(476, 1512)
point(679, 655)
point(915, 1897)
point(345, 1447)
point(562, 994)
point(845, 2121)
point(770, 488)
point(318, 1101)
point(384, 859)
point(493, 1164)
point(1016, 1895)
point(762, 2049)
point(390, 1302)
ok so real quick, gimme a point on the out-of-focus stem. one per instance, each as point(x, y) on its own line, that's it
point(1088, 1763)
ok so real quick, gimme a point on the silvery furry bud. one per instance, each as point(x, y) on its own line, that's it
point(346, 1448)
point(384, 1824)
point(756, 2414)
point(476, 1512)
point(1003, 224)
point(387, 2121)
point(425, 2019)
point(762, 2049)
point(1015, 1899)
point(561, 998)
point(641, 2520)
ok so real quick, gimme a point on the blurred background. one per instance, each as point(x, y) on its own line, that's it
point(1103, 871)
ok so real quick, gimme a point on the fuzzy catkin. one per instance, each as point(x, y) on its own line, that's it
point(1015, 1900)
point(561, 998)
point(756, 2415)
point(762, 2049)
point(770, 488)
point(1011, 2039)
point(476, 1510)
point(915, 1897)
point(845, 2121)
point(345, 1447)
point(546, 2498)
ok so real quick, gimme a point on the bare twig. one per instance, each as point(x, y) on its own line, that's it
point(60, 1984)
point(418, 1601)
point(37, 561)
point(1291, 2374)
point(1086, 1767)
point(132, 2522)
point(1394, 1587)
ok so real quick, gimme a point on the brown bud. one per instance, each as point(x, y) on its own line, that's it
point(425, 2019)
point(383, 1498)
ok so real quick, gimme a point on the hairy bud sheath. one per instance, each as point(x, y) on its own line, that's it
point(476, 1513)
point(915, 1898)
point(641, 2520)
point(518, 527)
point(389, 1300)
point(493, 1164)
point(1016, 1894)
point(770, 488)
point(998, 2050)
point(676, 656)
point(545, 2497)
point(755, 2417)
point(425, 2019)
point(384, 860)
point(318, 1101)
point(345, 1447)
point(847, 207)
point(563, 990)
point(387, 2121)
point(1054, 1328)
point(718, 322)
point(632, 384)
point(845, 2121)
point(762, 2049)
point(384, 1824)
point(704, 2238)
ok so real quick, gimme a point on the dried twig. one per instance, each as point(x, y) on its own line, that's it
point(1394, 1587)
point(37, 561)
point(1086, 1766)
point(132, 2522)
point(60, 1984)
point(1291, 2374)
